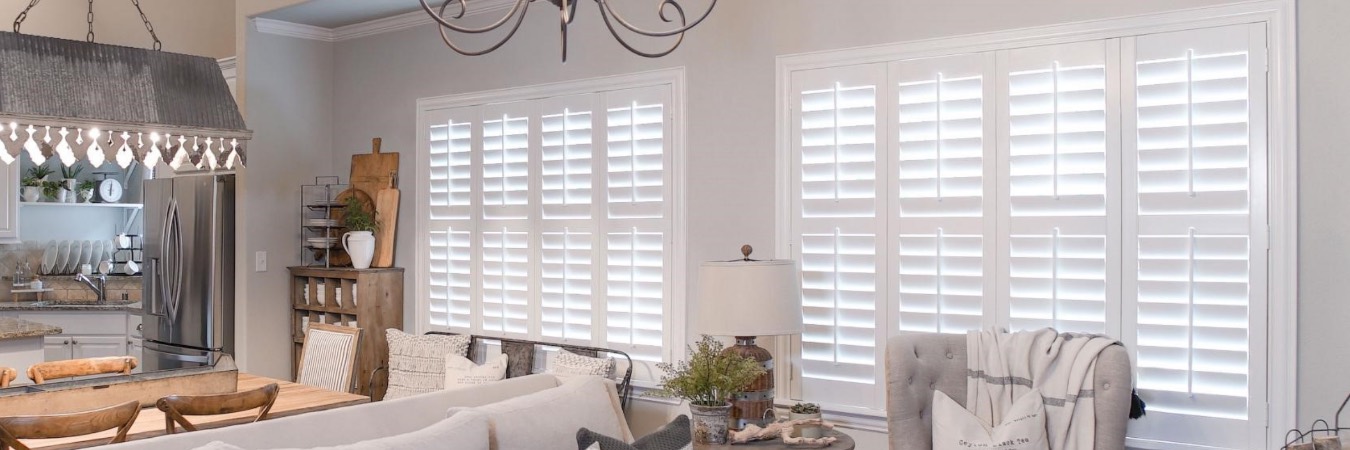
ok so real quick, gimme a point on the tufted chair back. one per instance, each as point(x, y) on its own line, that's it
point(918, 364)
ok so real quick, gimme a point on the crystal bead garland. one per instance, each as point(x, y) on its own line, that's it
point(41, 143)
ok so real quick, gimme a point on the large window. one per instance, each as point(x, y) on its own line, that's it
point(1112, 185)
point(549, 213)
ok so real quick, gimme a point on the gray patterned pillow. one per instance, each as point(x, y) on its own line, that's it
point(417, 363)
point(520, 358)
point(566, 363)
point(673, 436)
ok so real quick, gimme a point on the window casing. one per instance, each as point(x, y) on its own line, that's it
point(550, 213)
point(1109, 185)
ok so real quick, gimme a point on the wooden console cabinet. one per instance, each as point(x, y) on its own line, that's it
point(369, 299)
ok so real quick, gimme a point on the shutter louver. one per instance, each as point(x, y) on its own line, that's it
point(451, 279)
point(506, 282)
point(1199, 125)
point(1057, 188)
point(450, 243)
point(567, 136)
point(566, 291)
point(506, 163)
point(940, 203)
point(635, 288)
point(839, 232)
point(636, 143)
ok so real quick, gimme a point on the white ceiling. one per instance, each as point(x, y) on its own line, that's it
point(337, 13)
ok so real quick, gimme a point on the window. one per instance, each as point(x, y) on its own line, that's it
point(549, 214)
point(1110, 185)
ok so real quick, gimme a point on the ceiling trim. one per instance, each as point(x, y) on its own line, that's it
point(382, 25)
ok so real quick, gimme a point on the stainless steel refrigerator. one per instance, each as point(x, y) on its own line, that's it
point(188, 266)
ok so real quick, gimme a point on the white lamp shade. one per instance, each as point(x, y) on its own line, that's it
point(749, 298)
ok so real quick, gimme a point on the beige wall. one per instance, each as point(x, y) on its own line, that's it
point(194, 27)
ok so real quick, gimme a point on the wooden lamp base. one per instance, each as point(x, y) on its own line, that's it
point(749, 405)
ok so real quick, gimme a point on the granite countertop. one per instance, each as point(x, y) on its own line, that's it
point(65, 305)
point(11, 328)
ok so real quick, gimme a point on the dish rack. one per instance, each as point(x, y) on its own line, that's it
point(320, 230)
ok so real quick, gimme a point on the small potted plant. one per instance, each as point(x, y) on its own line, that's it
point(803, 411)
point(359, 240)
point(69, 184)
point(86, 190)
point(53, 191)
point(708, 379)
point(35, 182)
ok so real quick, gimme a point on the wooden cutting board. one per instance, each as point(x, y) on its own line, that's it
point(374, 171)
point(386, 211)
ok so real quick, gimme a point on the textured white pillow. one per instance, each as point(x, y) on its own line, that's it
point(466, 429)
point(566, 363)
point(462, 372)
point(417, 363)
point(1023, 427)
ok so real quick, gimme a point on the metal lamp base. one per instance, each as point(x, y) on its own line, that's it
point(750, 405)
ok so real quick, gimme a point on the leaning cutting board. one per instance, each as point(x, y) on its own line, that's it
point(374, 171)
point(386, 211)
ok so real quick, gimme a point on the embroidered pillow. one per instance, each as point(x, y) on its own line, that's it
point(1023, 427)
point(417, 363)
point(673, 436)
point(462, 372)
point(566, 363)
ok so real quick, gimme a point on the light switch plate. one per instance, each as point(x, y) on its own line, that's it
point(260, 261)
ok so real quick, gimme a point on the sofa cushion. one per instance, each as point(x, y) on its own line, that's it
point(673, 436)
point(417, 363)
point(1023, 427)
point(466, 430)
point(549, 419)
point(520, 358)
point(460, 372)
point(218, 445)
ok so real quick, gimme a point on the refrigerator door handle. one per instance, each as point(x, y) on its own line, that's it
point(156, 294)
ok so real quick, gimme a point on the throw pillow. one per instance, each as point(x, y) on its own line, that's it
point(1023, 427)
point(673, 436)
point(417, 363)
point(520, 358)
point(461, 372)
point(566, 363)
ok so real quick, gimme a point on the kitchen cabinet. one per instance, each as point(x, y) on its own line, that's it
point(9, 203)
point(62, 347)
point(136, 349)
point(55, 348)
point(84, 334)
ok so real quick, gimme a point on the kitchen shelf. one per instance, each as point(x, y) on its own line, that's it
point(83, 205)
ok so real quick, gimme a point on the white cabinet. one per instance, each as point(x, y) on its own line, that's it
point(9, 203)
point(136, 348)
point(97, 346)
point(55, 348)
point(84, 334)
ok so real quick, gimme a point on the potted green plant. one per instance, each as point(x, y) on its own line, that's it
point(708, 379)
point(34, 182)
point(359, 240)
point(53, 191)
point(803, 411)
point(86, 190)
point(71, 180)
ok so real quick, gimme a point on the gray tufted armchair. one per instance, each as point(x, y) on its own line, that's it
point(917, 364)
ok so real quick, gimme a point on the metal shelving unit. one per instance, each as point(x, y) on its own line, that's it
point(320, 232)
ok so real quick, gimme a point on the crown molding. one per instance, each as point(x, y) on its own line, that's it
point(382, 25)
point(229, 63)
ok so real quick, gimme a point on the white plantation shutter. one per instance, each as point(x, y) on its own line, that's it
point(551, 218)
point(940, 196)
point(450, 243)
point(1058, 189)
point(1198, 157)
point(838, 230)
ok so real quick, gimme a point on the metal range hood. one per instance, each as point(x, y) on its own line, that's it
point(98, 102)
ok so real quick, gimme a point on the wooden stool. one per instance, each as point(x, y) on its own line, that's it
point(177, 406)
point(67, 425)
point(42, 372)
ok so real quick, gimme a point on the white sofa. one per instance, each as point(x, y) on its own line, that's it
point(535, 412)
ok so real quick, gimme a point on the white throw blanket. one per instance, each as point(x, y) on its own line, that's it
point(1003, 366)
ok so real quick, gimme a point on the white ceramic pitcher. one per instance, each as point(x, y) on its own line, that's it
point(361, 246)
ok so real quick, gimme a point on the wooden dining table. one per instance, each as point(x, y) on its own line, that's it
point(293, 399)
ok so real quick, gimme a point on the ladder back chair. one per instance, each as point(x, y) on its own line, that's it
point(328, 357)
point(54, 426)
point(54, 370)
point(175, 407)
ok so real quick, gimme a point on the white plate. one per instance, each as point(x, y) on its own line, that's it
point(88, 253)
point(98, 254)
point(63, 257)
point(108, 248)
point(73, 262)
point(49, 258)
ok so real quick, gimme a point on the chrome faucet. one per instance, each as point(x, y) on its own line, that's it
point(96, 284)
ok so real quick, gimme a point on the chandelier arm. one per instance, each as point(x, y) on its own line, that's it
point(519, 20)
point(463, 8)
point(615, 32)
point(520, 6)
point(661, 11)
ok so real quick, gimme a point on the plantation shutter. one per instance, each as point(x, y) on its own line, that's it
point(837, 135)
point(637, 234)
point(568, 137)
point(506, 161)
point(567, 153)
point(1057, 189)
point(940, 115)
point(506, 282)
point(1199, 151)
point(450, 249)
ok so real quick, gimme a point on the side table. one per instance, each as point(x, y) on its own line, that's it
point(845, 442)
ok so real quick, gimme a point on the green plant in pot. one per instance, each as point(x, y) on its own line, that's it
point(52, 190)
point(86, 190)
point(71, 180)
point(359, 240)
point(802, 411)
point(708, 379)
point(34, 182)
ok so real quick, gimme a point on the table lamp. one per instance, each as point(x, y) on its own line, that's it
point(747, 298)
